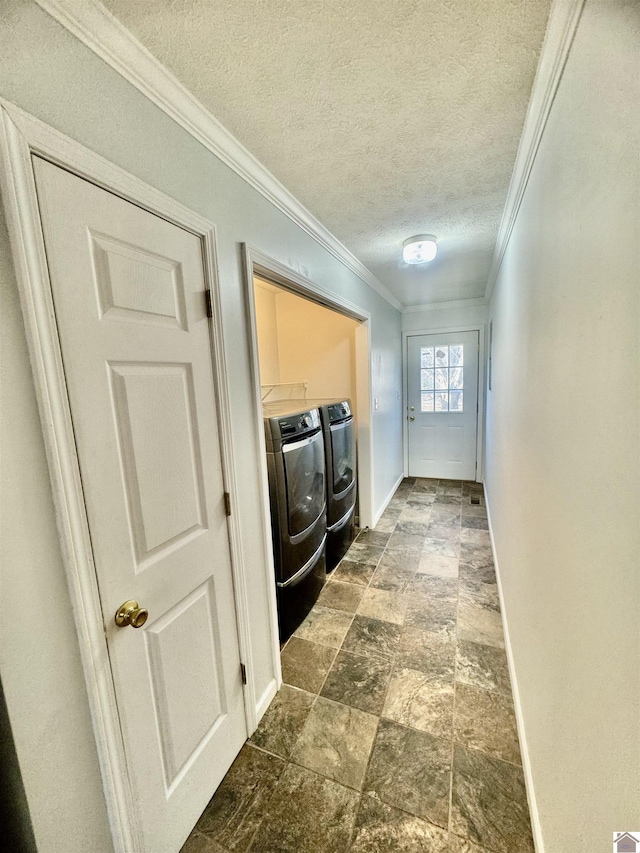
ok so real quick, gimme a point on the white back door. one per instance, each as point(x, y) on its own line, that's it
point(442, 396)
point(130, 308)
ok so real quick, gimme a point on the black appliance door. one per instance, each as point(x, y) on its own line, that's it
point(344, 456)
point(304, 479)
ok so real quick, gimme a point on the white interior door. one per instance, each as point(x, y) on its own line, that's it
point(129, 299)
point(442, 396)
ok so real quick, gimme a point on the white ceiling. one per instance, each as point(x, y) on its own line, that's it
point(386, 118)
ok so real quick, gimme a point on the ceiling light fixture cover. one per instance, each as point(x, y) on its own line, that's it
point(419, 249)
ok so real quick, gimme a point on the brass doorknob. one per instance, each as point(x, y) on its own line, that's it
point(130, 613)
point(411, 418)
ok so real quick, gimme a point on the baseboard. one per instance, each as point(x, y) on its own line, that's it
point(376, 517)
point(526, 764)
point(264, 701)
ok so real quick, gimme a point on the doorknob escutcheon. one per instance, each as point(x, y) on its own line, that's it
point(130, 613)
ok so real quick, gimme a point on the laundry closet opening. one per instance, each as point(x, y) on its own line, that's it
point(305, 350)
point(308, 387)
point(311, 372)
point(310, 351)
point(308, 343)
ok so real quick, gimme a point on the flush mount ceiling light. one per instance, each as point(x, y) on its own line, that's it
point(419, 249)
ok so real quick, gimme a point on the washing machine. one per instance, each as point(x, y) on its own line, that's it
point(297, 493)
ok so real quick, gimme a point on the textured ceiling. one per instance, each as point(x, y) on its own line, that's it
point(386, 118)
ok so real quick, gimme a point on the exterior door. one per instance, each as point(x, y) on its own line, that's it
point(128, 291)
point(442, 395)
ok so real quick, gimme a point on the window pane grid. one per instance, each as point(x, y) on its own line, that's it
point(442, 378)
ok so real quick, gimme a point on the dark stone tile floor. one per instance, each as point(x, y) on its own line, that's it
point(394, 729)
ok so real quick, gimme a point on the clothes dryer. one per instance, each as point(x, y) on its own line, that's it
point(338, 427)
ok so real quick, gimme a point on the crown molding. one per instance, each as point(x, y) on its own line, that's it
point(476, 302)
point(563, 22)
point(100, 31)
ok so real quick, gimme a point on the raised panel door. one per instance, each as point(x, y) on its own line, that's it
point(128, 290)
point(442, 396)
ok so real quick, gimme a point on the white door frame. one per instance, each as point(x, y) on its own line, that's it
point(22, 135)
point(480, 328)
point(257, 263)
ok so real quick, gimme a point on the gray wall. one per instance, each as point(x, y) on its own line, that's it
point(17, 832)
point(562, 460)
point(47, 72)
point(444, 318)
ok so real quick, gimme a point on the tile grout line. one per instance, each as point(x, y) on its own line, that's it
point(340, 648)
point(361, 793)
point(393, 661)
point(448, 828)
point(382, 704)
point(403, 625)
point(455, 680)
point(266, 808)
point(455, 688)
point(290, 759)
point(380, 716)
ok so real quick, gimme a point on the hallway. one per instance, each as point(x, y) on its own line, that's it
point(397, 676)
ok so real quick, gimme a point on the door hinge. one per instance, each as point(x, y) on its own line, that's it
point(227, 503)
point(243, 673)
point(208, 302)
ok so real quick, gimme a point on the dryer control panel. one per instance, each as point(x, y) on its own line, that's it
point(339, 411)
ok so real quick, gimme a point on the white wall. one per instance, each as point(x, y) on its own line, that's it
point(267, 333)
point(300, 341)
point(563, 445)
point(457, 317)
point(316, 345)
point(47, 72)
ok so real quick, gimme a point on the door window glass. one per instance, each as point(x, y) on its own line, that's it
point(304, 473)
point(343, 451)
point(442, 378)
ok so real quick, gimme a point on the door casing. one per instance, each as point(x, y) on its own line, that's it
point(21, 136)
point(480, 328)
